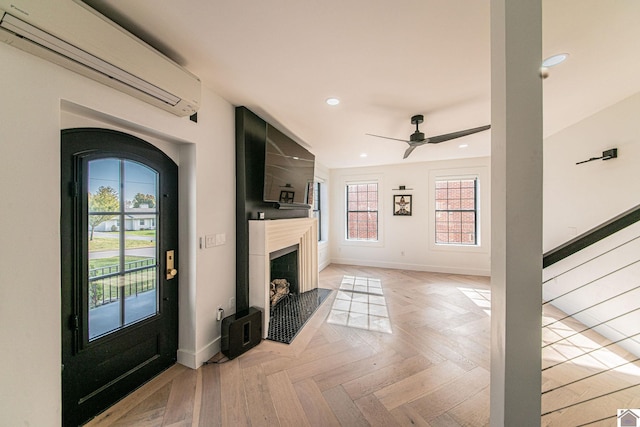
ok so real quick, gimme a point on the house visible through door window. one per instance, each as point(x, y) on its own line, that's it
point(362, 211)
point(456, 213)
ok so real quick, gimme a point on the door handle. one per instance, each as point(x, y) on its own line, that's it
point(171, 271)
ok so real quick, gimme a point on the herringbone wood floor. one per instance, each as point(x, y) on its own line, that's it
point(432, 370)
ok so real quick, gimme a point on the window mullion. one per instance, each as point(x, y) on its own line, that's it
point(122, 251)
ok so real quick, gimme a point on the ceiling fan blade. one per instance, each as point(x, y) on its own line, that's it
point(386, 137)
point(409, 151)
point(453, 135)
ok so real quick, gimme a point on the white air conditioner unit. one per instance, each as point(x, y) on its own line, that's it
point(77, 37)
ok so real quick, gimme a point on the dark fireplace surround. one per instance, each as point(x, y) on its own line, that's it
point(249, 324)
point(251, 135)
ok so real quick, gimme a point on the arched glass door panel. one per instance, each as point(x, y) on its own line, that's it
point(122, 215)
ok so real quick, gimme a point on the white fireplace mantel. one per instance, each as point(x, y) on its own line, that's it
point(272, 235)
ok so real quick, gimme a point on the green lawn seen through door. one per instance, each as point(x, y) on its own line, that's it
point(111, 243)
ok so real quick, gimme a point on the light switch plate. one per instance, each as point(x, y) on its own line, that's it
point(221, 239)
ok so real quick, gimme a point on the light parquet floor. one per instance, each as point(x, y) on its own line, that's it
point(431, 370)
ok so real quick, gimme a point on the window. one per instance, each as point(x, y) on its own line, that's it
point(362, 211)
point(121, 263)
point(456, 211)
point(317, 213)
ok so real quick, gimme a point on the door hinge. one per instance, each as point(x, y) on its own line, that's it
point(74, 321)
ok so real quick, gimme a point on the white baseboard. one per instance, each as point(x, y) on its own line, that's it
point(324, 264)
point(187, 358)
point(195, 360)
point(413, 267)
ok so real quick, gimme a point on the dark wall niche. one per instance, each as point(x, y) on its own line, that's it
point(251, 136)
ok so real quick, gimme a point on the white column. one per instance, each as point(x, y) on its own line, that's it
point(516, 207)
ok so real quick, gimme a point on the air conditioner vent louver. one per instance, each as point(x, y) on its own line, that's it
point(81, 40)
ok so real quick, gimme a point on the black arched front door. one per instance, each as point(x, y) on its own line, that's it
point(119, 240)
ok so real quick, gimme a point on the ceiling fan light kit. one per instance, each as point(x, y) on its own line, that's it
point(417, 138)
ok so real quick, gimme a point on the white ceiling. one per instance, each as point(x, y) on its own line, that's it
point(386, 61)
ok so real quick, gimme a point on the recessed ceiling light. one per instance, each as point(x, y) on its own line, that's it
point(363, 155)
point(555, 60)
point(332, 101)
point(463, 145)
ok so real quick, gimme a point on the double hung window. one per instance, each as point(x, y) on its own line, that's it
point(456, 213)
point(362, 211)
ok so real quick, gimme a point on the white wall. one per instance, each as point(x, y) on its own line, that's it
point(407, 242)
point(580, 197)
point(38, 99)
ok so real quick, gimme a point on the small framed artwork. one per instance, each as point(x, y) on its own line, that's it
point(402, 204)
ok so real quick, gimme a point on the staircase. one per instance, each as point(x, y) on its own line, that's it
point(591, 325)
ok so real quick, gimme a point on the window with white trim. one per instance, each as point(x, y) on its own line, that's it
point(362, 211)
point(456, 213)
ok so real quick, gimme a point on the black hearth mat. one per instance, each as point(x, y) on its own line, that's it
point(290, 314)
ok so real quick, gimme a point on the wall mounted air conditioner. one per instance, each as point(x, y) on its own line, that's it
point(77, 37)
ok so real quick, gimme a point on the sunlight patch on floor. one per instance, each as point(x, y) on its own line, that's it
point(360, 303)
point(577, 348)
point(480, 297)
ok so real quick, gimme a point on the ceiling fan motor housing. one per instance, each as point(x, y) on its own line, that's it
point(417, 137)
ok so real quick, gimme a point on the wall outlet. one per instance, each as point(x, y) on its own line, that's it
point(221, 239)
point(209, 241)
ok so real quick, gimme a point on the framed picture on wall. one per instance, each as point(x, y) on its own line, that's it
point(402, 204)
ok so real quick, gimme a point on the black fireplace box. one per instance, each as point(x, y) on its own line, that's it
point(241, 332)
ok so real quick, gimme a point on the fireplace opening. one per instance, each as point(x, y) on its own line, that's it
point(284, 274)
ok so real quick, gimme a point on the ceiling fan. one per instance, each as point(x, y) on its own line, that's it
point(417, 138)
